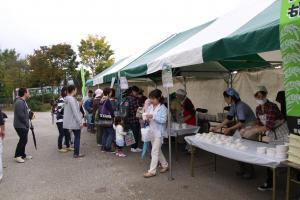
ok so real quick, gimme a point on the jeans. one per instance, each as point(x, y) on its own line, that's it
point(89, 117)
point(157, 155)
point(99, 133)
point(107, 138)
point(136, 130)
point(63, 133)
point(23, 135)
point(76, 141)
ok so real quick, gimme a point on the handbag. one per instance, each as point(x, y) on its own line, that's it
point(129, 138)
point(105, 118)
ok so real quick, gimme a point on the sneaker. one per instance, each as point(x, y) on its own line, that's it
point(164, 169)
point(99, 145)
point(139, 150)
point(149, 175)
point(28, 157)
point(70, 149)
point(110, 151)
point(62, 150)
point(135, 150)
point(19, 160)
point(265, 187)
point(79, 156)
point(122, 155)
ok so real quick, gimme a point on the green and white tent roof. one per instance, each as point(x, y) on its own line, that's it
point(241, 35)
point(247, 37)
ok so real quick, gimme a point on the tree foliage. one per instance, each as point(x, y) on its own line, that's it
point(13, 71)
point(96, 53)
point(52, 65)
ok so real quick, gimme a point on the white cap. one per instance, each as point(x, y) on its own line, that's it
point(98, 93)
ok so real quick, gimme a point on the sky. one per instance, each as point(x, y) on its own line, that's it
point(129, 25)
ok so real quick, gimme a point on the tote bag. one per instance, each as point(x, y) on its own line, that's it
point(129, 138)
point(105, 118)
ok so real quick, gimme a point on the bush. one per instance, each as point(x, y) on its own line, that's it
point(46, 98)
point(34, 104)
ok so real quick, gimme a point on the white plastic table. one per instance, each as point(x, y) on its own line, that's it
point(248, 156)
point(188, 130)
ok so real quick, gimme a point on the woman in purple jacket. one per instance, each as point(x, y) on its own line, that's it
point(106, 109)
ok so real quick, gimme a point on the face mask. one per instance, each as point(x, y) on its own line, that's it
point(261, 102)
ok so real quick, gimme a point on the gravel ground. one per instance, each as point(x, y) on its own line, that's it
point(55, 176)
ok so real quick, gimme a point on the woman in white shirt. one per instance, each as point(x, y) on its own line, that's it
point(157, 118)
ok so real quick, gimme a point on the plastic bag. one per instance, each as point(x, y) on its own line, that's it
point(146, 134)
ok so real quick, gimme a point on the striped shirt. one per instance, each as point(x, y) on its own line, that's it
point(59, 110)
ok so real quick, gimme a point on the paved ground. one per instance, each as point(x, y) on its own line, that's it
point(54, 176)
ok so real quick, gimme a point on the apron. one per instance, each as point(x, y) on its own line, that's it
point(280, 133)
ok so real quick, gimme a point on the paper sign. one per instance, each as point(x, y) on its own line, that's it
point(167, 77)
point(112, 82)
point(123, 83)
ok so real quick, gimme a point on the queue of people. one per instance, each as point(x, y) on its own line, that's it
point(104, 116)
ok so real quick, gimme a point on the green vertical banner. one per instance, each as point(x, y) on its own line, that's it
point(83, 81)
point(290, 50)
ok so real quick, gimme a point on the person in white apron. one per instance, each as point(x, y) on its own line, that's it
point(270, 120)
point(271, 123)
point(157, 118)
point(239, 116)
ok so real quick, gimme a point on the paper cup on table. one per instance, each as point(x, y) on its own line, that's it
point(271, 152)
point(261, 150)
point(281, 149)
point(184, 125)
point(282, 156)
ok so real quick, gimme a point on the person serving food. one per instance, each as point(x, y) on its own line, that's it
point(239, 112)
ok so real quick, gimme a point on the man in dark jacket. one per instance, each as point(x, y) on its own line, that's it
point(21, 124)
point(131, 121)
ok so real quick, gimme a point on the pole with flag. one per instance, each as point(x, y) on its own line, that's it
point(82, 80)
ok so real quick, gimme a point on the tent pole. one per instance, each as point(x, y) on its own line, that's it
point(170, 140)
point(184, 83)
point(230, 82)
point(120, 90)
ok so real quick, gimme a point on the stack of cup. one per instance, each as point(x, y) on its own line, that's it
point(261, 150)
point(282, 151)
point(271, 152)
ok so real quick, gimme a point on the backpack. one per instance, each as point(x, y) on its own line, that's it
point(59, 115)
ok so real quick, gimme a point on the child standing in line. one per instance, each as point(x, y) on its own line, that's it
point(120, 133)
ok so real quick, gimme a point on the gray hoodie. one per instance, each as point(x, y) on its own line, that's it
point(21, 114)
point(72, 116)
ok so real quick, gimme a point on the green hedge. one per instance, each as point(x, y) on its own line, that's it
point(41, 103)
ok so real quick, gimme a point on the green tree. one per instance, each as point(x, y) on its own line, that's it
point(53, 65)
point(13, 71)
point(96, 53)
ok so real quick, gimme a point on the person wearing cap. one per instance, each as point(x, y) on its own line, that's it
point(239, 111)
point(269, 121)
point(96, 102)
point(187, 107)
point(244, 117)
